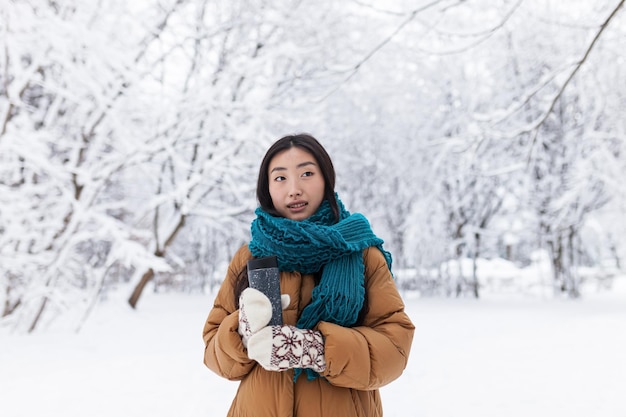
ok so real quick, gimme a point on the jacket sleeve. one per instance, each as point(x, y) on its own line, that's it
point(375, 353)
point(224, 352)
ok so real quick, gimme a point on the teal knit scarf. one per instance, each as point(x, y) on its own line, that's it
point(318, 243)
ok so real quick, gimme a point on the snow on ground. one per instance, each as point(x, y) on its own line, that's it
point(501, 356)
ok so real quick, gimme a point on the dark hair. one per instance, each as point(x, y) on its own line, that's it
point(309, 144)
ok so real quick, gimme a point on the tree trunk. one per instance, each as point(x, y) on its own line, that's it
point(573, 280)
point(33, 325)
point(475, 266)
point(8, 307)
point(555, 261)
point(145, 279)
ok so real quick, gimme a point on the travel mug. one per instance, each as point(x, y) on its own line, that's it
point(263, 275)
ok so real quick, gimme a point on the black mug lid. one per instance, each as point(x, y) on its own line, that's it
point(262, 263)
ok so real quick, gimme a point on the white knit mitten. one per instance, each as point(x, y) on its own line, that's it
point(255, 312)
point(278, 348)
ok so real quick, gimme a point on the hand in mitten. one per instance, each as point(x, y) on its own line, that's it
point(255, 312)
point(278, 348)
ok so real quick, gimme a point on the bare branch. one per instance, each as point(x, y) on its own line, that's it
point(378, 47)
point(535, 127)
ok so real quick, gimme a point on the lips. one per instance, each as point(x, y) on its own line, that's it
point(297, 205)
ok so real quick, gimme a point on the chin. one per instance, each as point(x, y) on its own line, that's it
point(299, 216)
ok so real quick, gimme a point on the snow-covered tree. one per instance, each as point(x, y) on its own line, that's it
point(131, 132)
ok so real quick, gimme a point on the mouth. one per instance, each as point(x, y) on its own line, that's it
point(297, 205)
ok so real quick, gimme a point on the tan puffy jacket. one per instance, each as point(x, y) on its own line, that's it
point(359, 359)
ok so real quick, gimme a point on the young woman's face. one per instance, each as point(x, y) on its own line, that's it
point(296, 184)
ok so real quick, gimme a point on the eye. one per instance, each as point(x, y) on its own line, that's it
point(279, 178)
point(308, 174)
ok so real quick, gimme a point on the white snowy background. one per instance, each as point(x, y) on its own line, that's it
point(484, 140)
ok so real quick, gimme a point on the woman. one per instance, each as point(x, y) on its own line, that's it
point(344, 334)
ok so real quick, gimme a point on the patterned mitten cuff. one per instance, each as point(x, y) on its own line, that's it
point(255, 312)
point(278, 348)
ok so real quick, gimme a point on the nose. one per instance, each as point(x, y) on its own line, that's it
point(294, 189)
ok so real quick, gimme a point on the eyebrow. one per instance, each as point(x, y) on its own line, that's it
point(303, 164)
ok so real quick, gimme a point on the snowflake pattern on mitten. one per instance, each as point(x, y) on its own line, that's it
point(244, 325)
point(297, 348)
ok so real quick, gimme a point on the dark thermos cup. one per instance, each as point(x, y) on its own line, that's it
point(263, 275)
